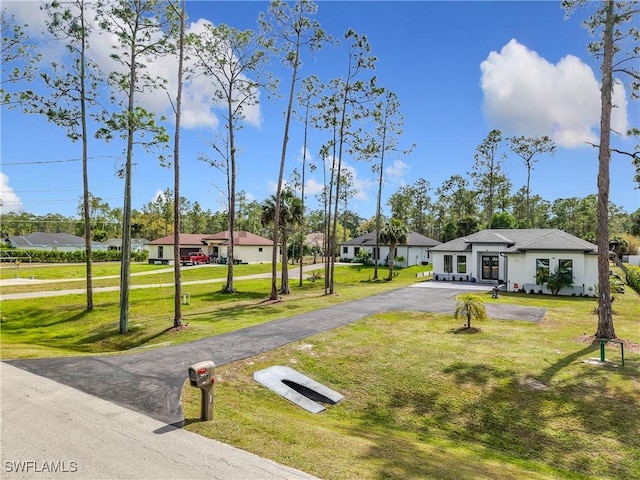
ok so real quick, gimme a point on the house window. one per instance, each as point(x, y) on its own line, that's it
point(259, 249)
point(448, 264)
point(345, 250)
point(566, 264)
point(542, 270)
point(376, 253)
point(462, 264)
point(160, 251)
point(356, 251)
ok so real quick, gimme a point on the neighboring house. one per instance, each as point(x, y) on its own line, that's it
point(315, 240)
point(61, 242)
point(137, 244)
point(519, 259)
point(247, 247)
point(414, 252)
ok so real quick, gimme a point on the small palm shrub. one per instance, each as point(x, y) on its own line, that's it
point(559, 279)
point(470, 307)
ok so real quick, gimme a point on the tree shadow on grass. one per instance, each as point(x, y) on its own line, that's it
point(571, 419)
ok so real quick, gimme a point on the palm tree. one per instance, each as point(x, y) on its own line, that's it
point(291, 215)
point(560, 278)
point(470, 306)
point(393, 232)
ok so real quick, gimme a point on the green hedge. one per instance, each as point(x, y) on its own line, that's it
point(79, 256)
point(633, 277)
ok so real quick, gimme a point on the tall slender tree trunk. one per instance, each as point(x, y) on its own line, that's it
point(605, 319)
point(334, 233)
point(229, 288)
point(528, 204)
point(85, 170)
point(177, 305)
point(125, 266)
point(283, 157)
point(378, 206)
point(304, 161)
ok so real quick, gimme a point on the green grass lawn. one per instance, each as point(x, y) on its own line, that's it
point(422, 400)
point(107, 275)
point(61, 325)
point(62, 271)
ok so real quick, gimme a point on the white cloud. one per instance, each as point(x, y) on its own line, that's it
point(308, 157)
point(157, 196)
point(359, 185)
point(313, 187)
point(9, 200)
point(198, 108)
point(397, 171)
point(524, 94)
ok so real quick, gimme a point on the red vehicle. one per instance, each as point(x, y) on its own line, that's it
point(194, 258)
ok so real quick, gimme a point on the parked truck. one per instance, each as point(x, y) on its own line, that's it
point(194, 258)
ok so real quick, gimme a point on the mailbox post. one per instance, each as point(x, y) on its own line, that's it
point(202, 376)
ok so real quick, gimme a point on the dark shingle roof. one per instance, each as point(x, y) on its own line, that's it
point(413, 240)
point(39, 239)
point(519, 240)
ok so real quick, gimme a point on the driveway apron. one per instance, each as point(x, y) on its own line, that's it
point(150, 382)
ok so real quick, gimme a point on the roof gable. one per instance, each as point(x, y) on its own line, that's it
point(520, 240)
point(220, 238)
point(239, 238)
point(185, 239)
point(414, 239)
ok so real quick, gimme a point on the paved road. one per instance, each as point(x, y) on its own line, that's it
point(150, 382)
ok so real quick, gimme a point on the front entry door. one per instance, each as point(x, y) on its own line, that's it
point(490, 267)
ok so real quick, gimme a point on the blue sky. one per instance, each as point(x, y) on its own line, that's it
point(459, 69)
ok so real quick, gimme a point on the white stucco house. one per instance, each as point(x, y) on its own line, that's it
point(414, 252)
point(518, 259)
point(137, 244)
point(247, 247)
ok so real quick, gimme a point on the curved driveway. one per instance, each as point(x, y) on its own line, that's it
point(150, 382)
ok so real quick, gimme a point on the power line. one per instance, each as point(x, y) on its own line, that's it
point(34, 191)
point(55, 161)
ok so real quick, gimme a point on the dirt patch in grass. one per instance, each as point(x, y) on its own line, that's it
point(466, 330)
point(629, 346)
point(181, 328)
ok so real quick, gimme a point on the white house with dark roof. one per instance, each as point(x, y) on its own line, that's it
point(62, 242)
point(519, 259)
point(414, 252)
point(247, 247)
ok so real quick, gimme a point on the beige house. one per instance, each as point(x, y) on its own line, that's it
point(247, 247)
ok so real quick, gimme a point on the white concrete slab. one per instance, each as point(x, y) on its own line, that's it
point(454, 285)
point(274, 379)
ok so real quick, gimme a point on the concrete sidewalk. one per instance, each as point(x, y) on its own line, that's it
point(53, 431)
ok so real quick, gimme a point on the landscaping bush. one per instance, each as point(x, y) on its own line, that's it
point(633, 277)
point(364, 257)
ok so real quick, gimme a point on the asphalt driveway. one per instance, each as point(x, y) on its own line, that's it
point(150, 382)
